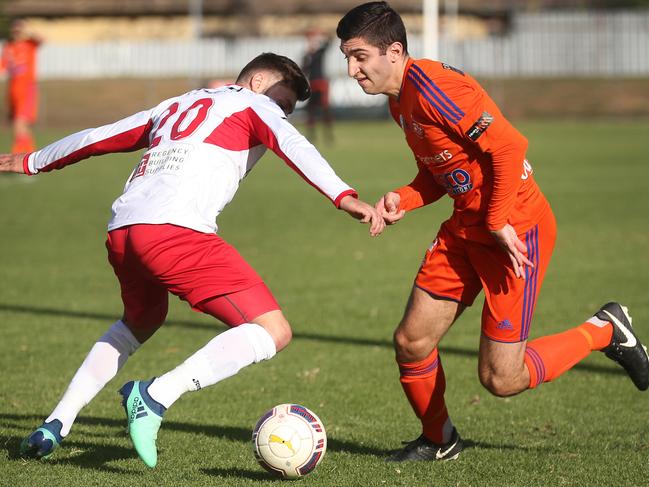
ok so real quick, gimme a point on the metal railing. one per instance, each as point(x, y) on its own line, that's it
point(547, 44)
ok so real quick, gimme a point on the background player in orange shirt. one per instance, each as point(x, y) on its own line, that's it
point(499, 238)
point(19, 61)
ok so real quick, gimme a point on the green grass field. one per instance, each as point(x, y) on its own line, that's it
point(343, 293)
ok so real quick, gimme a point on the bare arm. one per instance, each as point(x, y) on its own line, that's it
point(12, 163)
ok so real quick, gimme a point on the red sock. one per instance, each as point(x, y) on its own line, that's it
point(424, 384)
point(23, 143)
point(548, 357)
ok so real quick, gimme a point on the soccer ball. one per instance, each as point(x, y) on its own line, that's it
point(289, 441)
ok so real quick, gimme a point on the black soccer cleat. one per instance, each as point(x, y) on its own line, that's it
point(423, 449)
point(625, 347)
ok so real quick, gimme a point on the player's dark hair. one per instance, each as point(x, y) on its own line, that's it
point(377, 23)
point(290, 72)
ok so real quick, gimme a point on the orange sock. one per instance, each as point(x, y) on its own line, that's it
point(548, 357)
point(424, 384)
point(23, 143)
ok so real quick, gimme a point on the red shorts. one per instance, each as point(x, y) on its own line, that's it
point(457, 269)
point(151, 261)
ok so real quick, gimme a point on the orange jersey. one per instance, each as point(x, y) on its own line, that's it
point(465, 148)
point(19, 60)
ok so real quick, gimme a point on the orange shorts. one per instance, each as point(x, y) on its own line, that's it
point(457, 269)
point(23, 102)
point(152, 261)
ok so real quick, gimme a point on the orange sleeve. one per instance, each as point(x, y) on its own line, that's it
point(422, 191)
point(468, 112)
point(507, 167)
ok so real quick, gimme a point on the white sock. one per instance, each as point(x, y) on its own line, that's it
point(103, 362)
point(222, 357)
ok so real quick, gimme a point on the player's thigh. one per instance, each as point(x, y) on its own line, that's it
point(501, 366)
point(445, 284)
point(425, 321)
point(145, 302)
point(510, 301)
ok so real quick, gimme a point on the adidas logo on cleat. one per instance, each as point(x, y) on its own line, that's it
point(141, 413)
point(137, 410)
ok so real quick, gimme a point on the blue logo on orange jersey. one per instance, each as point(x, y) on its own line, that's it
point(456, 182)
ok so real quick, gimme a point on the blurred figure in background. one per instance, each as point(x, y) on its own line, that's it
point(19, 61)
point(313, 67)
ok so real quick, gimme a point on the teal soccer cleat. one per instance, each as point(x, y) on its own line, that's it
point(144, 416)
point(42, 442)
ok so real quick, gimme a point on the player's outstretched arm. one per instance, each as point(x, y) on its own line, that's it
point(388, 208)
point(12, 163)
point(512, 245)
point(363, 212)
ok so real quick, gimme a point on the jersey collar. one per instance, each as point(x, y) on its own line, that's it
point(404, 75)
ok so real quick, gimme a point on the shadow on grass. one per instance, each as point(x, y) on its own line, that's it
point(84, 454)
point(238, 473)
point(345, 340)
point(105, 453)
point(96, 454)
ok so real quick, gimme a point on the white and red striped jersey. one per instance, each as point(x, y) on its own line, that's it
point(199, 146)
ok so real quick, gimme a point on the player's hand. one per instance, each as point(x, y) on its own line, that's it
point(514, 247)
point(11, 163)
point(363, 212)
point(388, 208)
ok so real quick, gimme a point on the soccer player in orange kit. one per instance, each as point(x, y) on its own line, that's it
point(19, 60)
point(499, 238)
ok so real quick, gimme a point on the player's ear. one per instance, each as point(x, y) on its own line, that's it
point(395, 52)
point(258, 82)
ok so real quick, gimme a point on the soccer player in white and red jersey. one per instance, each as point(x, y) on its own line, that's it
point(499, 238)
point(162, 237)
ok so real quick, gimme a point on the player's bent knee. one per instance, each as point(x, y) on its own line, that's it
point(142, 331)
point(501, 385)
point(277, 326)
point(284, 337)
point(409, 349)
